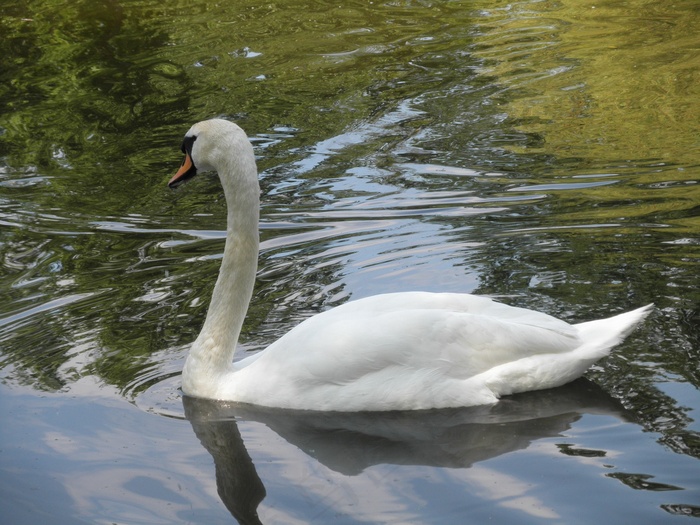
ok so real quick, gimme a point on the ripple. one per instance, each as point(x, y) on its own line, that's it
point(564, 186)
point(436, 169)
point(566, 227)
point(14, 319)
point(24, 182)
point(156, 388)
point(160, 394)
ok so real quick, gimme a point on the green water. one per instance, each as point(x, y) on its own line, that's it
point(546, 153)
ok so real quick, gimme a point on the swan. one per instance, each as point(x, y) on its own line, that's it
point(396, 351)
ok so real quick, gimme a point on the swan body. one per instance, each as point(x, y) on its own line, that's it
point(400, 351)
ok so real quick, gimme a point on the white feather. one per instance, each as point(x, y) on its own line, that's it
point(403, 351)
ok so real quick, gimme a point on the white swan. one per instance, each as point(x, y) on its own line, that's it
point(401, 351)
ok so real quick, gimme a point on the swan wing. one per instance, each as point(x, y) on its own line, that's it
point(416, 347)
point(457, 343)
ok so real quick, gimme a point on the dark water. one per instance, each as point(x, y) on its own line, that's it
point(544, 153)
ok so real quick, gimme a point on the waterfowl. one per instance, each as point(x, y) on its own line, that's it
point(398, 351)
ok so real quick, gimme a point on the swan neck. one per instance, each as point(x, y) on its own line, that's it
point(215, 346)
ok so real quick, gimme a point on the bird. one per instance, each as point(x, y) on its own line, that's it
point(412, 350)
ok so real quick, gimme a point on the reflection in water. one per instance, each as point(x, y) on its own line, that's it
point(349, 443)
point(237, 482)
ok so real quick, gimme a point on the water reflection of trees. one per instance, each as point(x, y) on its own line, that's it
point(96, 97)
point(82, 85)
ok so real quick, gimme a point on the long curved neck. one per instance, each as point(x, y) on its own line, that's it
point(212, 351)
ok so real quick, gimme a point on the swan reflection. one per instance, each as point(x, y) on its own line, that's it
point(349, 443)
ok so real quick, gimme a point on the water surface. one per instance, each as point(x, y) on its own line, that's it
point(542, 153)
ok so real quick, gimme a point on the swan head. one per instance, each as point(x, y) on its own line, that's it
point(208, 146)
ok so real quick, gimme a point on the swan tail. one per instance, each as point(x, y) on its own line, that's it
point(551, 370)
point(600, 336)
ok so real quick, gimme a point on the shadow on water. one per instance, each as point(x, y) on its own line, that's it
point(350, 443)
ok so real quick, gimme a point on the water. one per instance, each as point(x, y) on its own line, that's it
point(539, 152)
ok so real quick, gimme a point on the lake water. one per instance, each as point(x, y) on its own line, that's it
point(544, 153)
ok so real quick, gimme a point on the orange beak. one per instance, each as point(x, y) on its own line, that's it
point(187, 170)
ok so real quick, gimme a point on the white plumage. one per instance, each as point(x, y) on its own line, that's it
point(402, 351)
